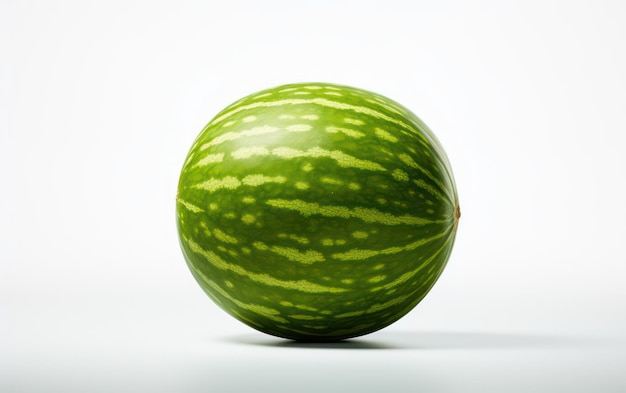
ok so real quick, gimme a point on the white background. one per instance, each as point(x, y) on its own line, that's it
point(100, 101)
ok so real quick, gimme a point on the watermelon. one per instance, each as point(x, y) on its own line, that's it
point(316, 212)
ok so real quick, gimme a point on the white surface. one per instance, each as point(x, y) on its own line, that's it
point(105, 97)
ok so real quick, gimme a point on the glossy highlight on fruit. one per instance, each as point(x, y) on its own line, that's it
point(316, 211)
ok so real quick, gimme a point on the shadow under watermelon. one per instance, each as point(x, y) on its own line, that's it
point(427, 340)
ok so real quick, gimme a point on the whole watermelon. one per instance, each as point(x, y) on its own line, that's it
point(316, 211)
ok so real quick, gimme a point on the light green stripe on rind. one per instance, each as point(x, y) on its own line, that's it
point(228, 182)
point(387, 105)
point(347, 131)
point(255, 131)
point(209, 159)
point(258, 180)
point(231, 183)
point(400, 299)
point(385, 135)
point(355, 122)
point(433, 191)
point(410, 162)
point(343, 160)
point(376, 307)
point(299, 239)
point(189, 206)
point(315, 101)
point(408, 275)
point(305, 317)
point(307, 257)
point(266, 279)
point(223, 237)
point(365, 214)
point(231, 136)
point(267, 312)
point(249, 151)
point(400, 175)
point(358, 254)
